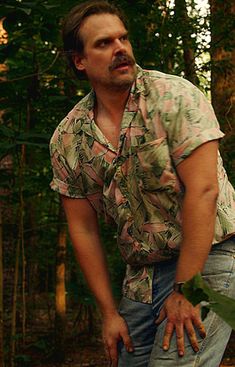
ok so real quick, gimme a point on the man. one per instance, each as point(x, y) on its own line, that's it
point(142, 148)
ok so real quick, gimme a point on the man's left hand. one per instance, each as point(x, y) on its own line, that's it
point(181, 315)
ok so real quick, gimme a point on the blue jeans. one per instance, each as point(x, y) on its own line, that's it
point(219, 273)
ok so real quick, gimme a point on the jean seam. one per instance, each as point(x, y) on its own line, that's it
point(204, 342)
point(213, 319)
point(227, 283)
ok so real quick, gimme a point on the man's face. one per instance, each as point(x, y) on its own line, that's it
point(108, 59)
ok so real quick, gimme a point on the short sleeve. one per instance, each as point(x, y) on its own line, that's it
point(190, 123)
point(67, 178)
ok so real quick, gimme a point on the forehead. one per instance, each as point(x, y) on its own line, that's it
point(99, 26)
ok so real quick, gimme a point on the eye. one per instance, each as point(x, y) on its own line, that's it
point(124, 38)
point(104, 43)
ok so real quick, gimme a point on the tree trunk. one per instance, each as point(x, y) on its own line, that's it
point(14, 306)
point(223, 61)
point(21, 236)
point(60, 298)
point(19, 254)
point(1, 293)
point(5, 164)
point(183, 20)
point(223, 73)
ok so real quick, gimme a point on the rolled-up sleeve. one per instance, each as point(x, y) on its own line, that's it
point(192, 123)
point(67, 177)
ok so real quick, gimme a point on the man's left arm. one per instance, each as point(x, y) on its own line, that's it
point(198, 173)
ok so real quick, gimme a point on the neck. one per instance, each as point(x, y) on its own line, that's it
point(112, 103)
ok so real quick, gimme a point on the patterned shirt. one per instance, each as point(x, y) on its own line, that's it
point(137, 185)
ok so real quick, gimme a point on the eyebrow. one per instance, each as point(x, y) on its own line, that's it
point(108, 38)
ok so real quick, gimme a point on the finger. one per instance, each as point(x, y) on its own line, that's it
point(199, 324)
point(167, 335)
point(192, 335)
point(202, 331)
point(200, 327)
point(113, 355)
point(161, 317)
point(128, 343)
point(179, 329)
point(106, 349)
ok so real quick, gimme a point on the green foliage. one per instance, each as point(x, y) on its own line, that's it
point(23, 360)
point(196, 291)
point(35, 96)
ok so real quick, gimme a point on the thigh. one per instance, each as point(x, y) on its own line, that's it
point(140, 320)
point(219, 273)
point(211, 348)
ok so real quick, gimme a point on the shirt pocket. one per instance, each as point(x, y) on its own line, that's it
point(154, 166)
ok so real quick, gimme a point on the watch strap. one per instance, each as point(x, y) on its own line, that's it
point(178, 287)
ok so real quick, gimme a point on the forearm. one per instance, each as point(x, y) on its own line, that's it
point(198, 223)
point(198, 174)
point(90, 256)
point(84, 233)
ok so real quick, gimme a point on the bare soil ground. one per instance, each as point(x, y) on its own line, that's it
point(91, 354)
point(83, 343)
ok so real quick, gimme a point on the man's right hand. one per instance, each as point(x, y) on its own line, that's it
point(114, 330)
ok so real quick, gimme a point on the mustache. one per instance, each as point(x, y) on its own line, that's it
point(121, 59)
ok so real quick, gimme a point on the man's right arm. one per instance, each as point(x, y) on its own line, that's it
point(84, 233)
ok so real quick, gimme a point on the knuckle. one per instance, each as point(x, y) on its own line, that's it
point(168, 331)
point(179, 337)
point(191, 335)
point(128, 342)
point(187, 318)
point(110, 344)
point(169, 326)
point(177, 319)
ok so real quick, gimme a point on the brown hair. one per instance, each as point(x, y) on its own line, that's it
point(72, 41)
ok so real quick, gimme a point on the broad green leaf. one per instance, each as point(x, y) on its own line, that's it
point(196, 290)
point(193, 290)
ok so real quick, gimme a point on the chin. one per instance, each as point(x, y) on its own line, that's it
point(123, 84)
point(125, 79)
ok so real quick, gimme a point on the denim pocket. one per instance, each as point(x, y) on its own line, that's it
point(219, 271)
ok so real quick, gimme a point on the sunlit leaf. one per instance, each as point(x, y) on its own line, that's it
point(196, 290)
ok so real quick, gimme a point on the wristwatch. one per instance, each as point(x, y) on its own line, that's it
point(177, 287)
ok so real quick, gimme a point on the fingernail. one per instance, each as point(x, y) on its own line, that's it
point(130, 349)
point(181, 353)
point(165, 347)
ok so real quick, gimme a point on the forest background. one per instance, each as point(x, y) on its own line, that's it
point(47, 314)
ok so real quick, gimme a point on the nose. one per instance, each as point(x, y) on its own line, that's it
point(119, 47)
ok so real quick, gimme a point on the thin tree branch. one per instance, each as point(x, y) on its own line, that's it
point(34, 74)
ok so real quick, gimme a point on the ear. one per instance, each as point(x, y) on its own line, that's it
point(78, 62)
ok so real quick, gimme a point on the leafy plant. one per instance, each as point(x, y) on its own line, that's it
point(196, 291)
